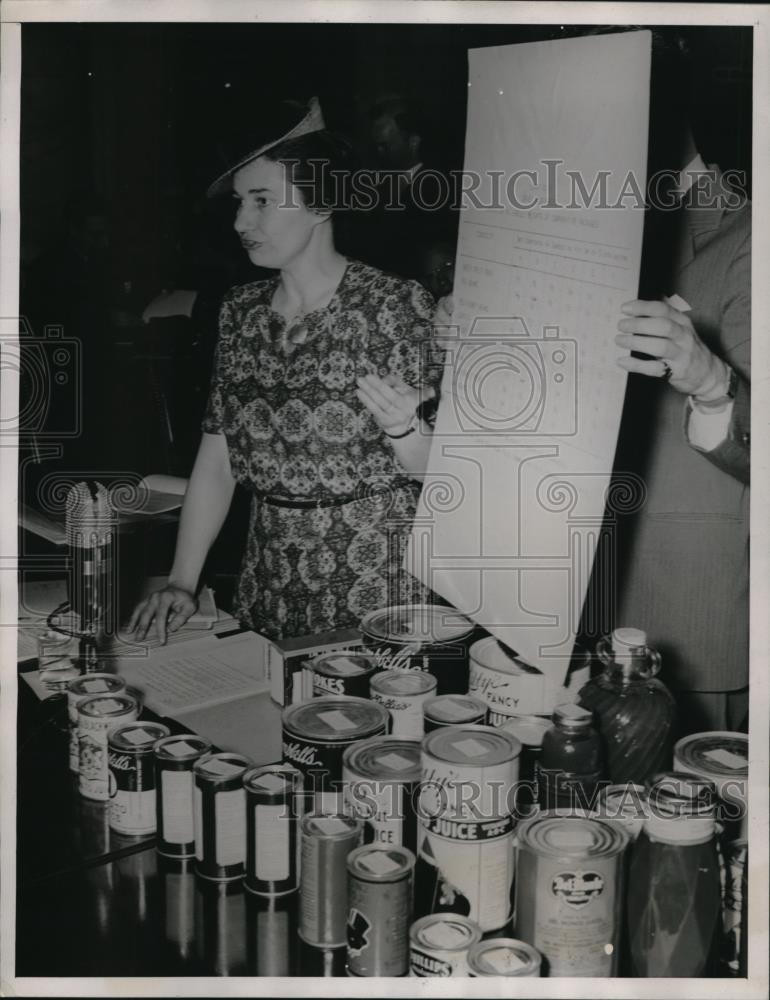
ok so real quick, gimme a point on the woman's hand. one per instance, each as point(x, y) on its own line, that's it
point(678, 353)
point(391, 401)
point(169, 607)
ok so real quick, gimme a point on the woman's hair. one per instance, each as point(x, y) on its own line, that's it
point(319, 165)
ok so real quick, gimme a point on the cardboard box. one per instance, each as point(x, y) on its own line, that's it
point(286, 656)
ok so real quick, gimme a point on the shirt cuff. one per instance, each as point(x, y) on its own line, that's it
point(707, 431)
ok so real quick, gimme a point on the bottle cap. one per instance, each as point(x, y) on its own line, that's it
point(571, 714)
point(624, 639)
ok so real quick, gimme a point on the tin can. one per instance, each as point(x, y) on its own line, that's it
point(273, 807)
point(569, 892)
point(453, 710)
point(132, 777)
point(87, 686)
point(734, 929)
point(504, 957)
point(439, 943)
point(469, 772)
point(627, 805)
point(403, 693)
point(344, 672)
point(380, 889)
point(220, 816)
point(465, 867)
point(529, 730)
point(323, 895)
point(724, 759)
point(380, 782)
point(174, 760)
point(316, 733)
point(425, 637)
point(97, 717)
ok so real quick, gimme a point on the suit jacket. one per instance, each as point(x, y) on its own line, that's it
point(684, 572)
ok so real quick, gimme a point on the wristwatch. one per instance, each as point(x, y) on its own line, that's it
point(721, 402)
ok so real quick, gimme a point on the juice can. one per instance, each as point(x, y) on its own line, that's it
point(439, 943)
point(380, 889)
point(380, 783)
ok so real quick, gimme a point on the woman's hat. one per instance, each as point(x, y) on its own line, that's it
point(290, 121)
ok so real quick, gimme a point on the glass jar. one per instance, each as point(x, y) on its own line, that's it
point(571, 763)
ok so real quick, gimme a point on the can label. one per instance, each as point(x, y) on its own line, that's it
point(320, 764)
point(386, 808)
point(440, 946)
point(405, 711)
point(79, 690)
point(93, 733)
point(378, 926)
point(466, 867)
point(132, 792)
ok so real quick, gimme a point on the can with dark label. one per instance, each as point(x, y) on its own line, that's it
point(323, 895)
point(132, 777)
point(453, 710)
point(97, 717)
point(220, 816)
point(439, 943)
point(569, 892)
point(344, 672)
point(316, 733)
point(380, 782)
point(723, 758)
point(380, 889)
point(78, 689)
point(273, 808)
point(425, 637)
point(174, 760)
point(504, 957)
point(404, 693)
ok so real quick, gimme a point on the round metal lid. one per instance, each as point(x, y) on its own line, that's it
point(276, 779)
point(335, 718)
point(137, 736)
point(93, 684)
point(471, 746)
point(330, 826)
point(221, 766)
point(444, 932)
point(504, 957)
point(718, 754)
point(380, 864)
point(385, 758)
point(571, 836)
point(108, 705)
point(182, 747)
point(454, 708)
point(402, 682)
point(421, 624)
point(344, 664)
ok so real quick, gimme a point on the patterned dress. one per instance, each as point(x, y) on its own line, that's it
point(284, 397)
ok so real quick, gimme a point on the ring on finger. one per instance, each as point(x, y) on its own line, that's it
point(667, 370)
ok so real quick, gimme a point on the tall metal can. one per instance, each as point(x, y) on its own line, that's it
point(78, 689)
point(323, 898)
point(404, 693)
point(175, 757)
point(380, 783)
point(273, 809)
point(132, 777)
point(439, 943)
point(97, 717)
point(380, 888)
point(220, 816)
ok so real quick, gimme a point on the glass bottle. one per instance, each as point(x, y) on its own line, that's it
point(571, 763)
point(674, 892)
point(635, 711)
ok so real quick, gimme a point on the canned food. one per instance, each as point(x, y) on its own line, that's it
point(504, 957)
point(97, 717)
point(132, 777)
point(78, 690)
point(273, 805)
point(403, 694)
point(425, 637)
point(220, 816)
point(469, 772)
point(175, 757)
point(627, 805)
point(380, 780)
point(316, 733)
point(724, 759)
point(439, 943)
point(466, 867)
point(569, 892)
point(323, 896)
point(453, 710)
point(380, 888)
point(344, 672)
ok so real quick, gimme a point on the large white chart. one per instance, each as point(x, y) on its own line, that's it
point(549, 249)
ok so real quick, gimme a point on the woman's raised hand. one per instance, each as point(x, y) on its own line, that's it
point(170, 607)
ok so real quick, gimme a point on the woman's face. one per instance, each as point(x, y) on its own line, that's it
point(272, 221)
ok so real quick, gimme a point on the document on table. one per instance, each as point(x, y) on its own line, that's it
point(522, 452)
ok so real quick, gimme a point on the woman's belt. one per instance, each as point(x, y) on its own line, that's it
point(306, 503)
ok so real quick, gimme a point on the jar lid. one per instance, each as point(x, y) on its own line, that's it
point(624, 639)
point(681, 795)
point(571, 714)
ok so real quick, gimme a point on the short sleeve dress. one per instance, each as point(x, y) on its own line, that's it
point(284, 397)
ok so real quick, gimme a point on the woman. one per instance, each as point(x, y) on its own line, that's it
point(311, 407)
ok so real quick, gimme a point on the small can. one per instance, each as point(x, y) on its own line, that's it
point(469, 772)
point(344, 672)
point(723, 758)
point(220, 816)
point(380, 890)
point(316, 733)
point(504, 957)
point(78, 689)
point(439, 943)
point(404, 693)
point(174, 784)
point(380, 782)
point(425, 637)
point(97, 717)
point(327, 839)
point(569, 892)
point(627, 805)
point(132, 777)
point(453, 710)
point(273, 807)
